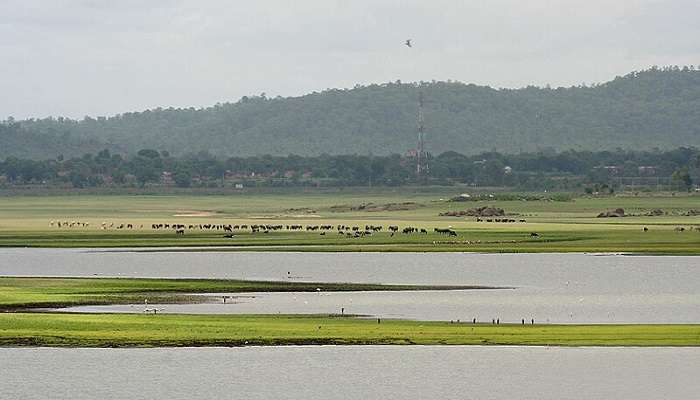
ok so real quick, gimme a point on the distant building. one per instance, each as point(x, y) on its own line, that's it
point(166, 178)
point(130, 179)
point(611, 169)
point(646, 170)
point(106, 179)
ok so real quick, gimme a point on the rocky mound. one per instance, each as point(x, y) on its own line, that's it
point(485, 211)
point(371, 207)
point(618, 212)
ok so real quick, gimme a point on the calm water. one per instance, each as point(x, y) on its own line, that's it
point(508, 306)
point(607, 273)
point(381, 372)
point(564, 288)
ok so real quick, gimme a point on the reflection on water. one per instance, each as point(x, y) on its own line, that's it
point(361, 372)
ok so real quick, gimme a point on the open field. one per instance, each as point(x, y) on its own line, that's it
point(23, 293)
point(119, 330)
point(562, 226)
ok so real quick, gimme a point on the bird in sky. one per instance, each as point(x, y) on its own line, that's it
point(408, 43)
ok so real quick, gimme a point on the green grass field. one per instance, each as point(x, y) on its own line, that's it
point(563, 226)
point(21, 328)
point(23, 292)
point(121, 330)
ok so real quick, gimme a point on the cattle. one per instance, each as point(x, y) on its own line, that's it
point(534, 234)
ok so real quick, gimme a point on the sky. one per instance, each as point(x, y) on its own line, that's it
point(75, 58)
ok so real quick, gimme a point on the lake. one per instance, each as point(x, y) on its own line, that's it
point(556, 288)
point(343, 372)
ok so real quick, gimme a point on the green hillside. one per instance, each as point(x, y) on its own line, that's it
point(642, 110)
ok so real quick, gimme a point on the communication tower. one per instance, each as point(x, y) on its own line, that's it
point(421, 155)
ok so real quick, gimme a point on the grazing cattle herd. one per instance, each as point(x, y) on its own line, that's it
point(229, 230)
point(507, 220)
point(350, 231)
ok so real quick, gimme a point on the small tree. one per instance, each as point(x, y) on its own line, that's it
point(182, 177)
point(682, 177)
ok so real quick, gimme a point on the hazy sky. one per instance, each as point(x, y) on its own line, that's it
point(92, 57)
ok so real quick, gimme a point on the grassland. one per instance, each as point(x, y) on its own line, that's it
point(563, 226)
point(26, 293)
point(121, 330)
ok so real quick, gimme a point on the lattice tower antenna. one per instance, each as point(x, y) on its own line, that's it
point(421, 155)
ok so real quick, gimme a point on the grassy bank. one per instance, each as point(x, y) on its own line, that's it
point(562, 226)
point(120, 330)
point(576, 239)
point(19, 293)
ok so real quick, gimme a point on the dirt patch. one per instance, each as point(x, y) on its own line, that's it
point(194, 213)
point(284, 216)
point(303, 210)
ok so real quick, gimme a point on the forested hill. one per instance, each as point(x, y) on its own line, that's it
point(642, 110)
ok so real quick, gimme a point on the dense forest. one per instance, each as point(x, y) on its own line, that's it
point(656, 108)
point(544, 170)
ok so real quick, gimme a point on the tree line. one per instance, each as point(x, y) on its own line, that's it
point(659, 107)
point(540, 170)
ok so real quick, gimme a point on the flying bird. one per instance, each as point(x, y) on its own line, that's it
point(408, 43)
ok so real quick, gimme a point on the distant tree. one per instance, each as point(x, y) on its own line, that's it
point(182, 177)
point(148, 153)
point(144, 169)
point(682, 177)
point(630, 111)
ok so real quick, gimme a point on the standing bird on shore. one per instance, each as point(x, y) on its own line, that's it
point(408, 43)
